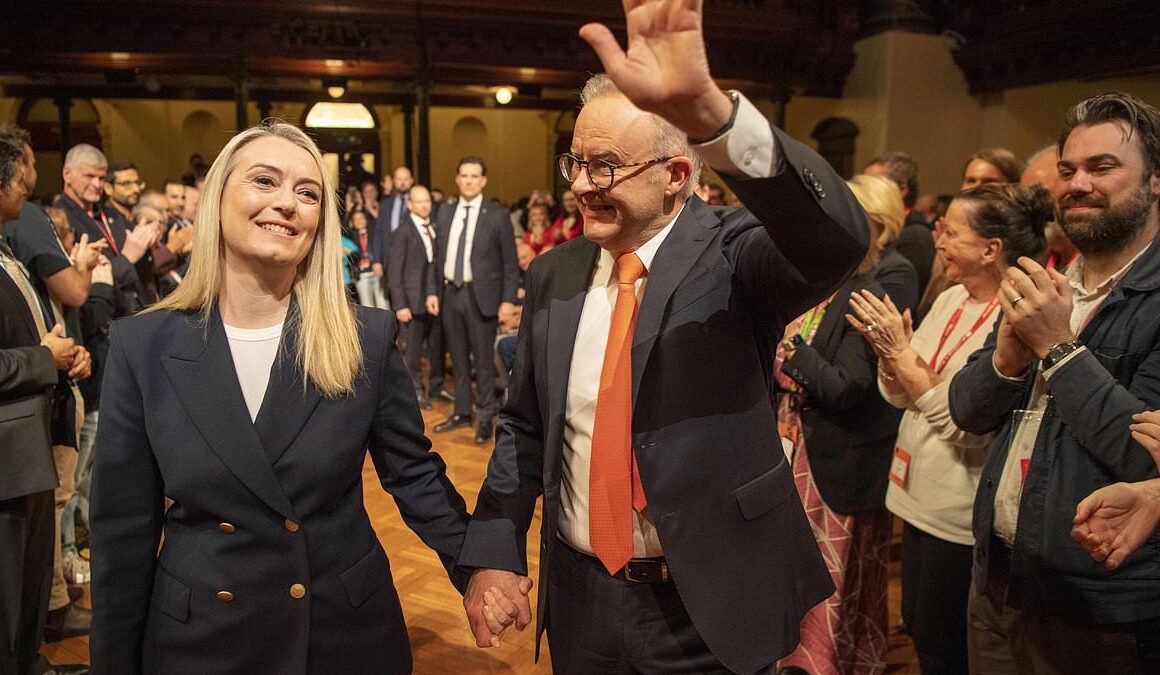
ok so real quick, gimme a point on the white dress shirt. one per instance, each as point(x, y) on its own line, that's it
point(747, 149)
point(453, 238)
point(427, 237)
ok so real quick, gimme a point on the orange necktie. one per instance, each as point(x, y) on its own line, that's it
point(614, 488)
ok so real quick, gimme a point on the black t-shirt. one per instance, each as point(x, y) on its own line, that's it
point(35, 244)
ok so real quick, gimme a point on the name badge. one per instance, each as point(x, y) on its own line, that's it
point(900, 467)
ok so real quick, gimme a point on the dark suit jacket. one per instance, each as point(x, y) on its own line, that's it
point(127, 284)
point(495, 273)
point(411, 278)
point(27, 376)
point(382, 234)
point(849, 428)
point(289, 485)
point(720, 290)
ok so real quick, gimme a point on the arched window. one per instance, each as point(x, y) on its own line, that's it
point(348, 136)
point(41, 117)
point(835, 137)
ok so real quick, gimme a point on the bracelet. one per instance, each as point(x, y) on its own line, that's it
point(885, 375)
point(735, 96)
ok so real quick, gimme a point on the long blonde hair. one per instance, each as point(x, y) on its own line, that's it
point(882, 201)
point(329, 352)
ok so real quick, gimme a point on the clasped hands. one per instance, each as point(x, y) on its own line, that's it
point(496, 599)
point(1117, 519)
point(1037, 307)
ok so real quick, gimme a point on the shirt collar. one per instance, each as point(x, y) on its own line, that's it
point(473, 203)
point(419, 222)
point(1074, 276)
point(648, 250)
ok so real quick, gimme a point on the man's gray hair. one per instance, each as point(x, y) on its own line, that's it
point(670, 141)
point(83, 154)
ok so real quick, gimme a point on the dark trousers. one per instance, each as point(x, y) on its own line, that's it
point(1006, 640)
point(936, 582)
point(470, 335)
point(600, 624)
point(27, 532)
point(422, 337)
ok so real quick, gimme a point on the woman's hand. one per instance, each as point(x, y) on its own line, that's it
point(879, 321)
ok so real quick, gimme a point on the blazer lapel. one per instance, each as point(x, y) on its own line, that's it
point(202, 373)
point(690, 235)
point(287, 405)
point(569, 287)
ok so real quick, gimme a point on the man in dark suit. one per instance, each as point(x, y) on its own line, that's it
point(411, 269)
point(673, 538)
point(30, 356)
point(475, 261)
point(393, 209)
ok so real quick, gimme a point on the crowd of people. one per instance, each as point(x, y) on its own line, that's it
point(722, 406)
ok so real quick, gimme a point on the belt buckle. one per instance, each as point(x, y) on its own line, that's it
point(641, 571)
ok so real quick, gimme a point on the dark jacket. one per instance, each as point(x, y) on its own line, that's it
point(849, 428)
point(258, 507)
point(411, 277)
point(1083, 444)
point(494, 269)
point(27, 376)
point(720, 290)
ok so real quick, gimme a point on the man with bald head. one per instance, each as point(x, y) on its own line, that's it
point(672, 537)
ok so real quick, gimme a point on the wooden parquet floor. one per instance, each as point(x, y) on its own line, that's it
point(440, 639)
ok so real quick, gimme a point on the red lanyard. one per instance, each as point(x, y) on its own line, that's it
point(950, 327)
point(103, 224)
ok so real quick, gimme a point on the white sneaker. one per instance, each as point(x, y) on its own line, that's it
point(76, 568)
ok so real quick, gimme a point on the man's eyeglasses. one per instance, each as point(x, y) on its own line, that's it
point(601, 172)
point(140, 184)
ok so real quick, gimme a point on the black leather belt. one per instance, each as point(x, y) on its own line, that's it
point(636, 570)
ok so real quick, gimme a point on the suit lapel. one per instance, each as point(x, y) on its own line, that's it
point(202, 373)
point(287, 405)
point(690, 235)
point(569, 287)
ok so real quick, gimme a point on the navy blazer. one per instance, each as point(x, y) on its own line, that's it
point(411, 277)
point(27, 376)
point(720, 290)
point(258, 507)
point(849, 428)
point(495, 273)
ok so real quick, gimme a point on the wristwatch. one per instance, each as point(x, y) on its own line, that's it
point(1058, 352)
point(735, 98)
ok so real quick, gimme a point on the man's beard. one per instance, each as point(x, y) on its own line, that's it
point(1110, 231)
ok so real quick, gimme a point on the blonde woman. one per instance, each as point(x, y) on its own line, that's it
point(841, 432)
point(249, 397)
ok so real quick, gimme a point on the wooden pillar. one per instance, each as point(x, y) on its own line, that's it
point(63, 108)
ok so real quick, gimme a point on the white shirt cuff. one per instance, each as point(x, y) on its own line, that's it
point(1001, 376)
point(748, 149)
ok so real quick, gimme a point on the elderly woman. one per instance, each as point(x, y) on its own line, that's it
point(840, 432)
point(936, 466)
point(249, 398)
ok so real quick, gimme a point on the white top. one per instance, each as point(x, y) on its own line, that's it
point(453, 237)
point(749, 149)
point(1028, 421)
point(253, 351)
point(945, 461)
point(427, 237)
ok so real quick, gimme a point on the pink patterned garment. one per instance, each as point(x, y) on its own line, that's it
point(845, 634)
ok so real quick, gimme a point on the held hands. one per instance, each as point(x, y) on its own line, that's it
point(1037, 303)
point(1115, 520)
point(887, 331)
point(664, 70)
point(64, 349)
point(496, 599)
